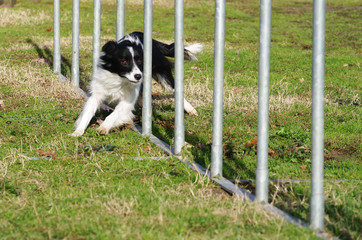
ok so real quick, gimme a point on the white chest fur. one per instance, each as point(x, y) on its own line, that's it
point(112, 88)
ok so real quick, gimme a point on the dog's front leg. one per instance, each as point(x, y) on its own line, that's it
point(121, 115)
point(189, 108)
point(88, 112)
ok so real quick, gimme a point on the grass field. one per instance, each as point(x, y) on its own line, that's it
point(55, 186)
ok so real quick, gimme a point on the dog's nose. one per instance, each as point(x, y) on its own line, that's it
point(137, 76)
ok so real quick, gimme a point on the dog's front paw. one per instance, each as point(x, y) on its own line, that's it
point(77, 133)
point(189, 108)
point(102, 130)
point(192, 112)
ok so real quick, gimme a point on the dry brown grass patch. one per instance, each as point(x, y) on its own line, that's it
point(240, 98)
point(16, 17)
point(155, 3)
point(120, 206)
point(27, 79)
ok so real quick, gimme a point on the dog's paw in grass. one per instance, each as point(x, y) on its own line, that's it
point(190, 109)
point(102, 130)
point(193, 112)
point(77, 133)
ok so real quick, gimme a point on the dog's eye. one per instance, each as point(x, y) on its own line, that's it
point(139, 61)
point(124, 62)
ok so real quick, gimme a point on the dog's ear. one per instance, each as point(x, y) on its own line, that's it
point(109, 47)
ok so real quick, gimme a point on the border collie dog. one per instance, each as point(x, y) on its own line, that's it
point(118, 79)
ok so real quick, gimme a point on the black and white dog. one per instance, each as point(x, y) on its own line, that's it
point(118, 79)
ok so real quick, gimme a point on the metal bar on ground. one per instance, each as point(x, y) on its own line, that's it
point(283, 181)
point(262, 172)
point(96, 33)
point(56, 29)
point(75, 44)
point(317, 152)
point(120, 19)
point(226, 184)
point(147, 158)
point(158, 142)
point(179, 76)
point(147, 69)
point(217, 124)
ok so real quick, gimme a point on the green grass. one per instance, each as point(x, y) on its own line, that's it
point(56, 186)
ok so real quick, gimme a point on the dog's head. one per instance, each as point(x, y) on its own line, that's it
point(124, 58)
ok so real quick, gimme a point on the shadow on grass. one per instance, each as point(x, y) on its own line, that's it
point(66, 65)
point(351, 220)
point(163, 128)
point(342, 220)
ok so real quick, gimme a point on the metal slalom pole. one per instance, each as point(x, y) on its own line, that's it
point(216, 149)
point(120, 19)
point(147, 70)
point(317, 196)
point(262, 174)
point(96, 33)
point(56, 29)
point(75, 44)
point(179, 76)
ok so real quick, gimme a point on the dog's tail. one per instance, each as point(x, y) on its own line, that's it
point(190, 51)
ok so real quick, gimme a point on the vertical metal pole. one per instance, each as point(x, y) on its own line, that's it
point(216, 149)
point(262, 173)
point(96, 33)
point(317, 196)
point(75, 44)
point(179, 76)
point(56, 29)
point(147, 69)
point(120, 19)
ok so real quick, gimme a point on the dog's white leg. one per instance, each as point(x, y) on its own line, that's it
point(121, 115)
point(88, 112)
point(189, 108)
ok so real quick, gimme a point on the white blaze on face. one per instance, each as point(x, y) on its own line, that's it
point(135, 75)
